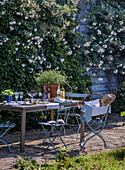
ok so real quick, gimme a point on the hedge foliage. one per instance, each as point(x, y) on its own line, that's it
point(36, 36)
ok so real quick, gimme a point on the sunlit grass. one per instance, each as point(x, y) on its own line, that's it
point(106, 160)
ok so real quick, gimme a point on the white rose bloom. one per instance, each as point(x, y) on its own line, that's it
point(19, 23)
point(99, 32)
point(11, 28)
point(26, 17)
point(116, 71)
point(18, 13)
point(41, 62)
point(110, 58)
point(123, 73)
point(23, 65)
point(94, 23)
point(105, 46)
point(100, 79)
point(100, 42)
point(112, 32)
point(91, 64)
point(35, 29)
point(87, 69)
point(30, 61)
point(124, 66)
point(87, 44)
point(94, 38)
point(13, 23)
point(86, 52)
point(16, 49)
point(103, 56)
point(101, 62)
point(17, 43)
point(69, 52)
point(101, 50)
point(62, 60)
point(1, 43)
point(65, 42)
point(110, 27)
point(121, 22)
point(120, 65)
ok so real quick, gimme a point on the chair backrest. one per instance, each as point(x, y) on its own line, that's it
point(65, 109)
point(91, 95)
point(75, 95)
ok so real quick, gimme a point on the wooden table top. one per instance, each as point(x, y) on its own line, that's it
point(36, 107)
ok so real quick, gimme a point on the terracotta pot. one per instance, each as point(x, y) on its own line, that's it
point(53, 89)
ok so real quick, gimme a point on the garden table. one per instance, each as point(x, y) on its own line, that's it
point(23, 109)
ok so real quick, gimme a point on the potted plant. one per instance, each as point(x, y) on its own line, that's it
point(8, 93)
point(51, 79)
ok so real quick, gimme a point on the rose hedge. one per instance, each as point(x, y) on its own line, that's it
point(35, 36)
point(104, 48)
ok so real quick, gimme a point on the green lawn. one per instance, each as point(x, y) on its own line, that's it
point(106, 160)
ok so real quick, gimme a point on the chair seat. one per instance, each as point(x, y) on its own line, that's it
point(52, 124)
point(7, 125)
point(72, 114)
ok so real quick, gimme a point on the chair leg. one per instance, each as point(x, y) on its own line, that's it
point(95, 133)
point(47, 136)
point(78, 126)
point(9, 147)
point(58, 135)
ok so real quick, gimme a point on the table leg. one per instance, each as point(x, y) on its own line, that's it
point(23, 125)
point(52, 118)
point(82, 130)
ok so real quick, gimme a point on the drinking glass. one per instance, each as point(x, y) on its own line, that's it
point(21, 95)
point(16, 96)
point(32, 94)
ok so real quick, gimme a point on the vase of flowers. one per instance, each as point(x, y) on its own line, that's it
point(51, 79)
point(8, 93)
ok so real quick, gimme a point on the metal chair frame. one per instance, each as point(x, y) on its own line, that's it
point(65, 108)
point(100, 121)
point(71, 95)
point(3, 139)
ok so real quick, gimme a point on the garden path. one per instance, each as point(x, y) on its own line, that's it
point(114, 134)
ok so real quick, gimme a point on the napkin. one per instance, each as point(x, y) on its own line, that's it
point(59, 100)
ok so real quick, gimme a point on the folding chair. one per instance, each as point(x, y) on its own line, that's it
point(95, 116)
point(70, 95)
point(65, 108)
point(5, 127)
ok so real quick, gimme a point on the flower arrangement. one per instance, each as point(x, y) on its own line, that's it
point(50, 77)
point(8, 92)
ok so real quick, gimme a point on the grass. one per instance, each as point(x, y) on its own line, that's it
point(106, 160)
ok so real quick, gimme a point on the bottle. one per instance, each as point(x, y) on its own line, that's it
point(58, 91)
point(48, 93)
point(63, 92)
point(44, 96)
